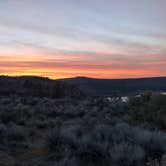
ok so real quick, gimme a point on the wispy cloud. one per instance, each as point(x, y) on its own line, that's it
point(71, 63)
point(96, 38)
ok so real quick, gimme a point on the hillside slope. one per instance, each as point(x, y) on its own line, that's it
point(121, 86)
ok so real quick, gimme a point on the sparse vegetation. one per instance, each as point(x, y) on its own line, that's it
point(92, 131)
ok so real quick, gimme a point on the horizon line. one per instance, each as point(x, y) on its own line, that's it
point(99, 78)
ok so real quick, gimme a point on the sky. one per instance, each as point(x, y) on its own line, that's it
point(92, 38)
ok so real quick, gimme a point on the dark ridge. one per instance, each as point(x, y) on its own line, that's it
point(93, 86)
point(37, 86)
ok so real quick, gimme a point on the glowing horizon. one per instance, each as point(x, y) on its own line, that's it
point(92, 38)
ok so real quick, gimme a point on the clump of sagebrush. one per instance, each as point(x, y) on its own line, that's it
point(156, 162)
point(126, 154)
point(120, 145)
point(91, 153)
point(60, 142)
point(15, 112)
point(13, 138)
point(151, 111)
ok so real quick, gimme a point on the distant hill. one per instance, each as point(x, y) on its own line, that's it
point(37, 86)
point(78, 86)
point(100, 87)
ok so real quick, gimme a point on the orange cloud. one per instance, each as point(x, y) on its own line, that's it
point(61, 64)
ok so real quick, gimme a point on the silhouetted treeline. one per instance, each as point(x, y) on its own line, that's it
point(37, 86)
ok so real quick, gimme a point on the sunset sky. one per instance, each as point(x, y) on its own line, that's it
point(93, 38)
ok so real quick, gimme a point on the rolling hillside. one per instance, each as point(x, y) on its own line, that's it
point(118, 86)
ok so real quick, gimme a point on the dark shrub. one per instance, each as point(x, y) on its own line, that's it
point(13, 138)
point(126, 154)
point(91, 153)
point(60, 142)
point(154, 142)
